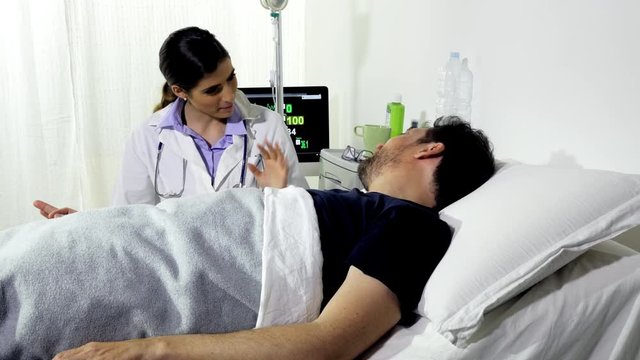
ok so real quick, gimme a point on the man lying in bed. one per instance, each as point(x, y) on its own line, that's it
point(373, 274)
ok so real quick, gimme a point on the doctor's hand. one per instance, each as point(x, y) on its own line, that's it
point(49, 211)
point(276, 168)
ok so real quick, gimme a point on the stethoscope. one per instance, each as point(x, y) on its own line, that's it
point(168, 195)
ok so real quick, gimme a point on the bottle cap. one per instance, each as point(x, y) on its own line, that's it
point(455, 55)
point(397, 98)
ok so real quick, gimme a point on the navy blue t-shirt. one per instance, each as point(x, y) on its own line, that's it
point(396, 241)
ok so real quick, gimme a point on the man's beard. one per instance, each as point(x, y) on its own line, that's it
point(372, 167)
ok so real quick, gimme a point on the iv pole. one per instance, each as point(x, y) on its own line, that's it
point(276, 6)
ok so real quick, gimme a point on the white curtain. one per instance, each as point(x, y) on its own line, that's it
point(76, 76)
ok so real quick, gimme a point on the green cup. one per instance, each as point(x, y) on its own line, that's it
point(372, 135)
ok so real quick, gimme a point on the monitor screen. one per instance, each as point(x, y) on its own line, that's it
point(306, 110)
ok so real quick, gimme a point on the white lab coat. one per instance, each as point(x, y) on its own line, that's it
point(135, 184)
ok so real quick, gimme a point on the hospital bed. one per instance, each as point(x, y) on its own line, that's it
point(534, 271)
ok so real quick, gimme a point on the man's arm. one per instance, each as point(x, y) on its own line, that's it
point(360, 312)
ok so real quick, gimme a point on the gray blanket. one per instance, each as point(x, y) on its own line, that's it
point(185, 266)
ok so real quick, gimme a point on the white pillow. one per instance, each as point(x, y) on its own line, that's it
point(526, 222)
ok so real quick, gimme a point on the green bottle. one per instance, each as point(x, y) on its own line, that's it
point(395, 115)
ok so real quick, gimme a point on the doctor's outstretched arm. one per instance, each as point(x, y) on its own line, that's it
point(49, 211)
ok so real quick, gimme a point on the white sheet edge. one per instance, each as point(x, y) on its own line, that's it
point(291, 259)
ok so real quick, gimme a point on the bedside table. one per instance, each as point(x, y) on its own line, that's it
point(336, 172)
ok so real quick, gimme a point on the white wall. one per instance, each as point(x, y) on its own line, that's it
point(556, 82)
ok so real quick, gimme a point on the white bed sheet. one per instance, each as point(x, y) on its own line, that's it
point(589, 309)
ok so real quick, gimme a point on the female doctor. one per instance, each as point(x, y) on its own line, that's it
point(205, 139)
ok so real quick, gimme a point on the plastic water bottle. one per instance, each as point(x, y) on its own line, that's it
point(447, 80)
point(464, 91)
point(395, 115)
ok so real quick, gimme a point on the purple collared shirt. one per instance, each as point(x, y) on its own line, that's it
point(210, 154)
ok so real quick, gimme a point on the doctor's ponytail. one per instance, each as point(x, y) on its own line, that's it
point(167, 97)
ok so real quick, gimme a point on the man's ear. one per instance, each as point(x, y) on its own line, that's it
point(179, 92)
point(429, 150)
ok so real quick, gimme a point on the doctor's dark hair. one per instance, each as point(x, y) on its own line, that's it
point(167, 97)
point(467, 160)
point(186, 56)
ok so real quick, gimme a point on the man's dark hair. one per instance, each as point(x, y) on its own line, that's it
point(467, 160)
